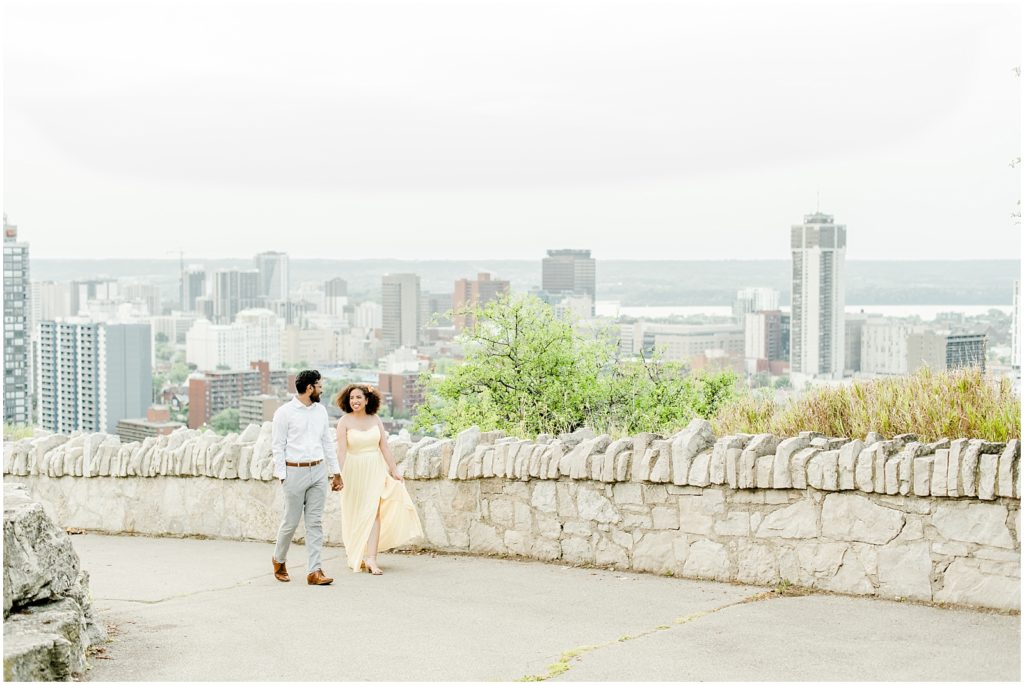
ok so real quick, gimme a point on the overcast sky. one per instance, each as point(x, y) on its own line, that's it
point(427, 130)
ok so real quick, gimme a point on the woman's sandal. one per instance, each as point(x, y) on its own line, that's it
point(375, 570)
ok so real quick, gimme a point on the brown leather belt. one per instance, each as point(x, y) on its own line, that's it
point(305, 463)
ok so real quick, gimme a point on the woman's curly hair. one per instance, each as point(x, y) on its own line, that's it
point(371, 393)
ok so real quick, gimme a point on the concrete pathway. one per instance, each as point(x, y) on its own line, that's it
point(210, 610)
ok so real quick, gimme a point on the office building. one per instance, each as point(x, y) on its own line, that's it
point(755, 300)
point(157, 422)
point(193, 284)
point(945, 350)
point(475, 293)
point(50, 300)
point(145, 293)
point(211, 392)
point(234, 290)
point(92, 375)
point(255, 334)
point(682, 342)
point(335, 297)
point(570, 272)
point(259, 408)
point(817, 339)
point(17, 330)
point(766, 341)
point(401, 310)
point(273, 275)
point(369, 315)
point(884, 346)
point(174, 327)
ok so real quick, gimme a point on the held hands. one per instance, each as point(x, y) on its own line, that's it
point(336, 484)
point(395, 474)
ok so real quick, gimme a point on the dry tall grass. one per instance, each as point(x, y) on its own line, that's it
point(933, 405)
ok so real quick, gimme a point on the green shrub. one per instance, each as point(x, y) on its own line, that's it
point(528, 372)
point(933, 405)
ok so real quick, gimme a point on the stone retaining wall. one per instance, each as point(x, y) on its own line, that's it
point(48, 621)
point(892, 518)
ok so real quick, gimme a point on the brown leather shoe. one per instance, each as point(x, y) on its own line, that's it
point(280, 572)
point(317, 577)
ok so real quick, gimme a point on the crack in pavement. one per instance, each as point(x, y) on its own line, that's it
point(570, 656)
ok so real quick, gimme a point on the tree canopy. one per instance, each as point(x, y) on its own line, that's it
point(528, 372)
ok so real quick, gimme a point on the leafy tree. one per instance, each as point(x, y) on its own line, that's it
point(225, 421)
point(178, 373)
point(528, 372)
point(161, 338)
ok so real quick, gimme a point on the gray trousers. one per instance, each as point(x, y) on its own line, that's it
point(305, 491)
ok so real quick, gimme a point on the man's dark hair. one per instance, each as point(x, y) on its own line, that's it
point(306, 378)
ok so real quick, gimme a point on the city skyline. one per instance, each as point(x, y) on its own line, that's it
point(693, 131)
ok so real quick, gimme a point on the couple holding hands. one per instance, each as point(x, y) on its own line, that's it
point(376, 510)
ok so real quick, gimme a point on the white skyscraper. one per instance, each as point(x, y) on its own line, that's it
point(92, 375)
point(818, 327)
point(755, 300)
point(254, 336)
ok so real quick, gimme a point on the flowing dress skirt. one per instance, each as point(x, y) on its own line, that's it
point(369, 488)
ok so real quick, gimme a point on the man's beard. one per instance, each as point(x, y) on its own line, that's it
point(314, 396)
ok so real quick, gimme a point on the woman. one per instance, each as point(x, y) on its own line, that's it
point(376, 510)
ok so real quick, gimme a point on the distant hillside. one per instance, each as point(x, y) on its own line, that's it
point(633, 283)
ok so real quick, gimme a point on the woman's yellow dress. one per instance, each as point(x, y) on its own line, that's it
point(367, 488)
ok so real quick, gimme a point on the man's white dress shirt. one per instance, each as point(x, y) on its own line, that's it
point(302, 434)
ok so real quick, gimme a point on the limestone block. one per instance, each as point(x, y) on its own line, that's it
point(655, 552)
point(501, 512)
point(892, 481)
point(988, 466)
point(798, 520)
point(686, 445)
point(904, 570)
point(756, 562)
point(491, 437)
point(883, 450)
point(939, 478)
point(823, 470)
point(546, 549)
point(707, 559)
point(969, 468)
point(566, 495)
point(819, 562)
point(799, 466)
point(485, 539)
point(518, 542)
point(850, 578)
point(694, 516)
point(557, 451)
point(627, 493)
point(983, 524)
point(848, 454)
point(905, 466)
point(607, 553)
point(544, 498)
point(665, 518)
point(732, 461)
point(736, 523)
point(700, 469)
point(965, 583)
point(781, 472)
point(661, 465)
point(922, 472)
point(465, 445)
point(524, 515)
point(610, 456)
point(594, 506)
point(642, 466)
point(39, 562)
point(716, 468)
point(952, 549)
point(622, 465)
point(577, 551)
point(1004, 478)
point(856, 518)
point(953, 478)
point(763, 471)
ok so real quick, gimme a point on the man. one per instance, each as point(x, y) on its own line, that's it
point(302, 451)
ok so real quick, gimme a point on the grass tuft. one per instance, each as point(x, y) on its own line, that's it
point(950, 404)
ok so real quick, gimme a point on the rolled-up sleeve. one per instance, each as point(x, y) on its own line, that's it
point(330, 454)
point(279, 437)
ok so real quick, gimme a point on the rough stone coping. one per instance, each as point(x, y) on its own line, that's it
point(902, 465)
